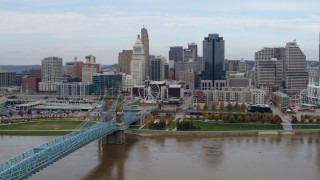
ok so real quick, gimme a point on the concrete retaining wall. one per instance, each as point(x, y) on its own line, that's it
point(144, 132)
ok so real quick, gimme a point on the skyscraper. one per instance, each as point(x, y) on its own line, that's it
point(138, 62)
point(145, 42)
point(296, 75)
point(51, 73)
point(213, 56)
point(194, 47)
point(176, 53)
point(124, 60)
point(268, 64)
point(157, 68)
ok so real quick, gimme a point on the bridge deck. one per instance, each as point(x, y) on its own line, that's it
point(24, 165)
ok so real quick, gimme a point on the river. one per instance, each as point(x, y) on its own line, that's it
point(187, 158)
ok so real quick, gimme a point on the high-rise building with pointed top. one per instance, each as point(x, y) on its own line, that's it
point(145, 42)
point(138, 62)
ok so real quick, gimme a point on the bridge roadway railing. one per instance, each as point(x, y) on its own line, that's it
point(28, 163)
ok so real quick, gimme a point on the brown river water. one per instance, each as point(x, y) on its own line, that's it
point(185, 158)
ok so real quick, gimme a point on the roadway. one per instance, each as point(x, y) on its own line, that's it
point(286, 120)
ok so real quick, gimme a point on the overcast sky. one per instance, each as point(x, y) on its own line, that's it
point(33, 29)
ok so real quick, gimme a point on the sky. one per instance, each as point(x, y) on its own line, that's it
point(31, 30)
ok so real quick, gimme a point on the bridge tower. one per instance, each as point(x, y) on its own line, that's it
point(117, 137)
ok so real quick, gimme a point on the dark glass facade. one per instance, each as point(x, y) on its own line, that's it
point(111, 83)
point(213, 56)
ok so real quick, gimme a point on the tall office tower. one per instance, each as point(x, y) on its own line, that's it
point(194, 47)
point(138, 62)
point(145, 42)
point(124, 60)
point(268, 67)
point(213, 56)
point(295, 68)
point(90, 59)
point(51, 73)
point(166, 70)
point(157, 68)
point(176, 53)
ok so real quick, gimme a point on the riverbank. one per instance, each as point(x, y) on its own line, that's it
point(144, 132)
point(40, 128)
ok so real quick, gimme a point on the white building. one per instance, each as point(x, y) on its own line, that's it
point(51, 73)
point(258, 96)
point(128, 82)
point(138, 62)
point(313, 89)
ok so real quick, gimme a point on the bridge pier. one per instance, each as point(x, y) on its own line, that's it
point(117, 137)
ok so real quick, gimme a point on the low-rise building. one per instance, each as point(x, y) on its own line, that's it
point(74, 89)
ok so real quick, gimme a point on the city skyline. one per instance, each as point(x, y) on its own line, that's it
point(36, 29)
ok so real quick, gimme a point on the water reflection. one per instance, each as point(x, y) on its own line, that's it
point(188, 158)
point(112, 159)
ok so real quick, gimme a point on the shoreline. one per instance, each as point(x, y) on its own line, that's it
point(147, 133)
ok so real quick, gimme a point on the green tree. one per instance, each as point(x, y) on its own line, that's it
point(302, 118)
point(311, 119)
point(239, 118)
point(231, 118)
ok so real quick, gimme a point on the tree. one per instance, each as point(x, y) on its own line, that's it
point(318, 119)
point(302, 118)
point(205, 107)
point(231, 118)
point(294, 120)
point(229, 106)
point(29, 112)
point(277, 119)
point(213, 106)
point(311, 119)
point(20, 113)
point(221, 115)
point(239, 118)
point(248, 118)
point(237, 106)
point(221, 105)
point(198, 107)
point(243, 106)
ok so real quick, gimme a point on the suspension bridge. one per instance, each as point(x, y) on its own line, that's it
point(111, 125)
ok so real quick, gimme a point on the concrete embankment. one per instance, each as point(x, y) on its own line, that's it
point(144, 132)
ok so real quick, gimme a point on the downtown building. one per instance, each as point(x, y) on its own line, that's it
point(312, 95)
point(138, 70)
point(51, 74)
point(124, 61)
point(213, 57)
point(157, 68)
point(108, 83)
point(281, 67)
point(268, 65)
point(78, 89)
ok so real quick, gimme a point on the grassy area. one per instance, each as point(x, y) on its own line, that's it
point(134, 126)
point(208, 126)
point(306, 126)
point(172, 125)
point(49, 127)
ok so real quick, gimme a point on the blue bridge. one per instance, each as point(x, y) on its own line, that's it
point(28, 163)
